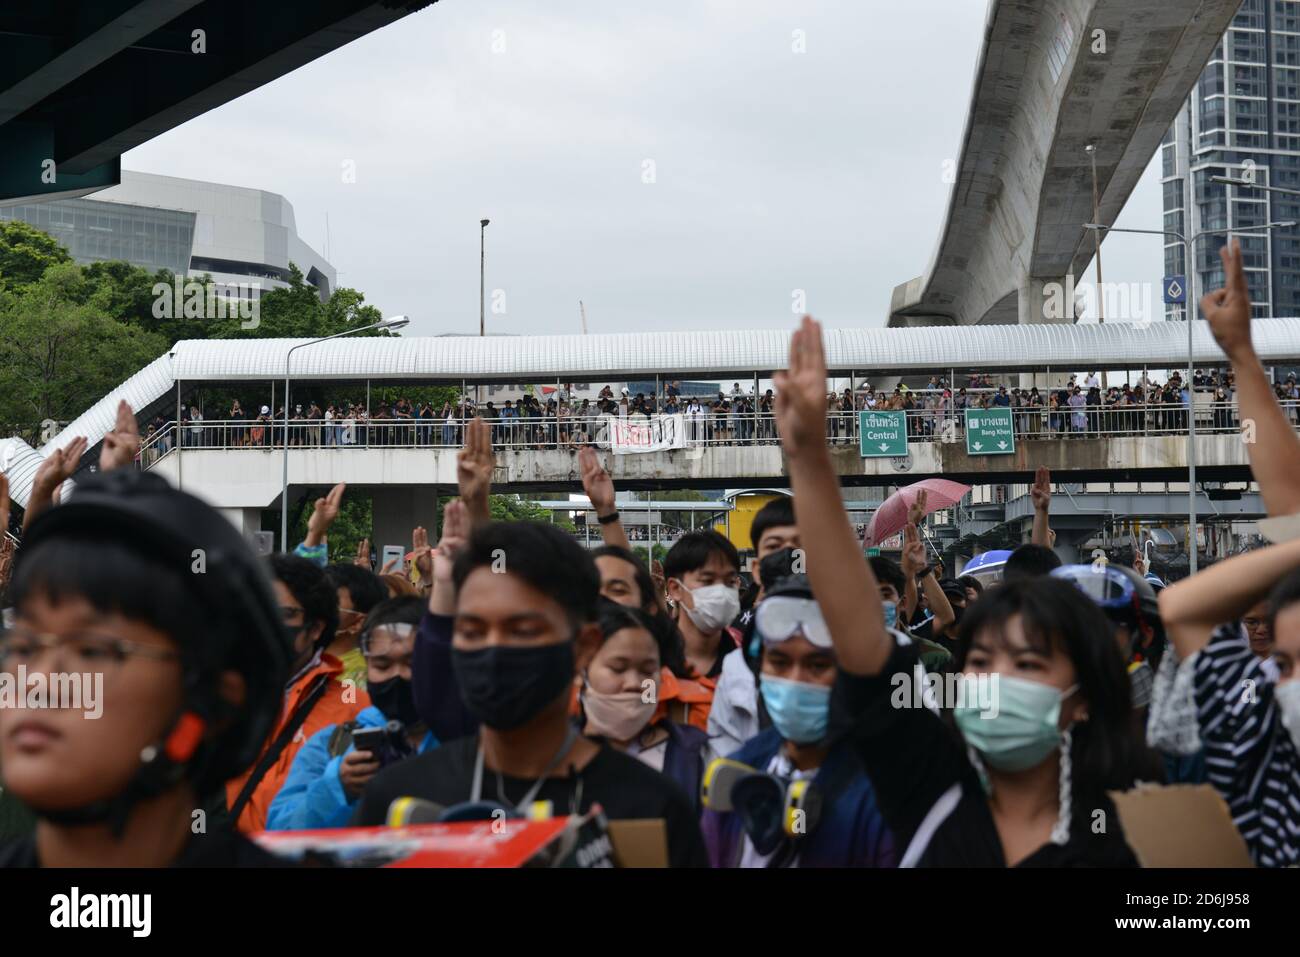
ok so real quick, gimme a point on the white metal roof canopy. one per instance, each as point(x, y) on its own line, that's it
point(1032, 348)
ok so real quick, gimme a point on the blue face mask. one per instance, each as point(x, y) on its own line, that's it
point(891, 614)
point(1023, 731)
point(799, 711)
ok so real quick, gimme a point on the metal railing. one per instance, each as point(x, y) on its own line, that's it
point(517, 434)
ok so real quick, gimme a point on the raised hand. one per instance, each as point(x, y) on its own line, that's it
point(363, 554)
point(916, 511)
point(474, 467)
point(50, 476)
point(596, 481)
point(122, 445)
point(1228, 309)
point(1041, 491)
point(323, 514)
point(423, 557)
point(913, 552)
point(455, 535)
point(801, 392)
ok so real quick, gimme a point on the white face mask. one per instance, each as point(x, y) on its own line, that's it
point(715, 606)
point(1287, 695)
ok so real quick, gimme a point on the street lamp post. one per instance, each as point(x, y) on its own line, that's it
point(395, 323)
point(482, 291)
point(482, 273)
point(1188, 246)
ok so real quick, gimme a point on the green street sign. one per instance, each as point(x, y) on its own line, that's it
point(882, 434)
point(989, 432)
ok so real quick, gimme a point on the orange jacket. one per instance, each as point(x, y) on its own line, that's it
point(685, 700)
point(681, 700)
point(339, 703)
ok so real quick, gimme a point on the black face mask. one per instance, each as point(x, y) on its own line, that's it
point(395, 699)
point(775, 566)
point(505, 687)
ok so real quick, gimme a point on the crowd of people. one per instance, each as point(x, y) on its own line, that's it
point(767, 721)
point(739, 416)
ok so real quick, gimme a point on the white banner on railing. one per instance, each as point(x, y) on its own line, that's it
point(646, 434)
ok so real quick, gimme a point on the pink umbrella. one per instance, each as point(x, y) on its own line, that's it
point(892, 514)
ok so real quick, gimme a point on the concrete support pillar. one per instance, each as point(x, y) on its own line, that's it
point(1045, 301)
point(247, 520)
point(395, 510)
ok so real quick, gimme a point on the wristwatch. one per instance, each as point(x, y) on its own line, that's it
point(607, 519)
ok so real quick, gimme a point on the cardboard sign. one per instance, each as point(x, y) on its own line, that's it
point(1180, 825)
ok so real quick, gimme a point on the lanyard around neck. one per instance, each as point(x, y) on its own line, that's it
point(477, 791)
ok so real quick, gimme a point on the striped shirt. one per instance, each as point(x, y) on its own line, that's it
point(1249, 756)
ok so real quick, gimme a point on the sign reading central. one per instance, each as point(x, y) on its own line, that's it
point(882, 434)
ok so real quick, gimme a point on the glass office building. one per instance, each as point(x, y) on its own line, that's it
point(244, 239)
point(95, 231)
point(1241, 121)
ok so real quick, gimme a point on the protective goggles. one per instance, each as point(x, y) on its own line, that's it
point(780, 618)
point(383, 636)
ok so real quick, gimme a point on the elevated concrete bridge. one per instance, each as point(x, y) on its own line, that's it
point(1054, 77)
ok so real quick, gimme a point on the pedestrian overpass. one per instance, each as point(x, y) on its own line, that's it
point(407, 463)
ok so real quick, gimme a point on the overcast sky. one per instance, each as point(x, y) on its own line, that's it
point(773, 170)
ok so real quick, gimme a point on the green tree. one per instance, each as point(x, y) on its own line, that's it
point(60, 353)
point(512, 508)
point(355, 522)
point(296, 312)
point(25, 253)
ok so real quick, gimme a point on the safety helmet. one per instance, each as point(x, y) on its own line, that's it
point(1125, 597)
point(241, 628)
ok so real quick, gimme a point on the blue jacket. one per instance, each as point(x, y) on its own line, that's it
point(313, 796)
point(850, 833)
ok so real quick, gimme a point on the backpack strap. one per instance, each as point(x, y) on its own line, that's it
point(272, 754)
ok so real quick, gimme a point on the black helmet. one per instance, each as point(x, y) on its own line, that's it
point(243, 629)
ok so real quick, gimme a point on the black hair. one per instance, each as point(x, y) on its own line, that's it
point(1285, 593)
point(364, 587)
point(112, 577)
point(778, 512)
point(694, 549)
point(543, 556)
point(1106, 749)
point(1030, 561)
point(404, 610)
point(970, 581)
point(644, 584)
point(312, 590)
point(888, 572)
point(671, 649)
point(613, 618)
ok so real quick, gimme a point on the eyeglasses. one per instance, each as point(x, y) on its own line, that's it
point(85, 651)
point(1254, 624)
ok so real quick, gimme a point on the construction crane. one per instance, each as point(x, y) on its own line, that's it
point(583, 310)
